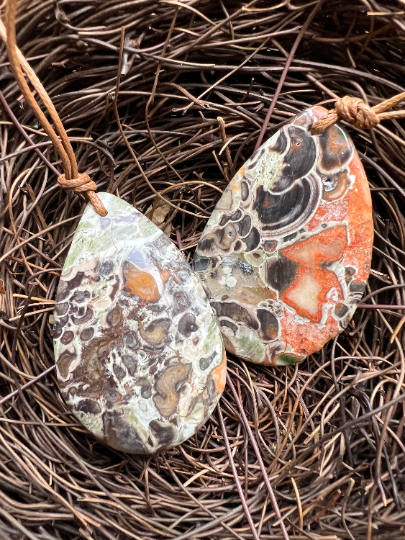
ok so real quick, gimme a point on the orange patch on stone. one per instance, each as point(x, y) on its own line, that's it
point(236, 181)
point(165, 275)
point(309, 290)
point(355, 208)
point(168, 398)
point(361, 223)
point(219, 373)
point(235, 185)
point(252, 295)
point(140, 283)
point(318, 111)
point(307, 338)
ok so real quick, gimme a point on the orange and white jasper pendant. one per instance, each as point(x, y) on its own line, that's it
point(286, 253)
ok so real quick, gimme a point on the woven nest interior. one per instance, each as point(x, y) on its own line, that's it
point(329, 432)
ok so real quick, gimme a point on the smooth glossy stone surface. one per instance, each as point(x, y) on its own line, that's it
point(139, 354)
point(286, 253)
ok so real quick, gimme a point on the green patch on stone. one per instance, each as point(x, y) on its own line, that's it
point(148, 228)
point(75, 251)
point(212, 336)
point(93, 422)
point(83, 224)
point(248, 345)
point(100, 242)
point(132, 418)
point(287, 359)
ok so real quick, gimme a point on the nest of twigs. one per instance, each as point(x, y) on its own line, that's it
point(329, 432)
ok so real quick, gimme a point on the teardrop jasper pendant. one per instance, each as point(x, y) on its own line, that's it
point(286, 254)
point(139, 354)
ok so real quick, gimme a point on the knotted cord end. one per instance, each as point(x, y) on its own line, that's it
point(83, 183)
point(350, 109)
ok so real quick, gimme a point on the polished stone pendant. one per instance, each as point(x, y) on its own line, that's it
point(139, 354)
point(286, 254)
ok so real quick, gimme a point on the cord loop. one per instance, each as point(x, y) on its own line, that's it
point(57, 133)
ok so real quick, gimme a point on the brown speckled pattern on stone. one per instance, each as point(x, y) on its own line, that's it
point(139, 354)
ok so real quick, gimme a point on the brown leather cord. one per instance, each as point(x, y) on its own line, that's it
point(18, 63)
point(359, 114)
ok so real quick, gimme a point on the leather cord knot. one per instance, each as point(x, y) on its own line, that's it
point(350, 109)
point(354, 111)
point(83, 183)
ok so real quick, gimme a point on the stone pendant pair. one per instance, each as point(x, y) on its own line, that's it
point(281, 266)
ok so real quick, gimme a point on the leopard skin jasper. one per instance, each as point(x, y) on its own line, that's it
point(286, 254)
point(139, 353)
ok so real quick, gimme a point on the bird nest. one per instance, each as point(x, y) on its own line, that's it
point(151, 79)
